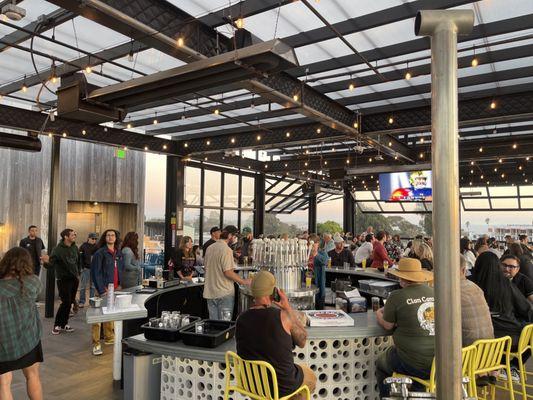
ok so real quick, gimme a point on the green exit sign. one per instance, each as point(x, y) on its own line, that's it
point(120, 153)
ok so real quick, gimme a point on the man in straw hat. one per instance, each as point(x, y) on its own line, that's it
point(410, 312)
point(269, 333)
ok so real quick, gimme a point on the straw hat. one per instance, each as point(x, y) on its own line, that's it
point(410, 269)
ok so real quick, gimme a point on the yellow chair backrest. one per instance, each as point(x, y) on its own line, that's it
point(468, 355)
point(526, 339)
point(255, 379)
point(489, 354)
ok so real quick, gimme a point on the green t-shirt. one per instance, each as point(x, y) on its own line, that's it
point(413, 312)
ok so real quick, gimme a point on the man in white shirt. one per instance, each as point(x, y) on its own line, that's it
point(365, 251)
point(219, 290)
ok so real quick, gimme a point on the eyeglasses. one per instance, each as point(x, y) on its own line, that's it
point(510, 266)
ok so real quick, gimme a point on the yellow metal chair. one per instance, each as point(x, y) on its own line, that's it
point(467, 357)
point(255, 379)
point(525, 343)
point(489, 357)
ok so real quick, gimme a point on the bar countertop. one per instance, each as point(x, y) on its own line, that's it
point(365, 326)
point(96, 315)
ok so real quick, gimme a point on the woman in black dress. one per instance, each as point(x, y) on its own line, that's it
point(185, 259)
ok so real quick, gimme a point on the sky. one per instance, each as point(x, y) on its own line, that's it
point(330, 210)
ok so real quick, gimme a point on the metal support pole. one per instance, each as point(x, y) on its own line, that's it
point(443, 27)
point(53, 214)
point(311, 221)
point(175, 185)
point(348, 211)
point(259, 205)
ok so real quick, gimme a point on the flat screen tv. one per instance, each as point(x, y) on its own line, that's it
point(405, 186)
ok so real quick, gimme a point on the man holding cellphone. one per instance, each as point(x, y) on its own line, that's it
point(268, 333)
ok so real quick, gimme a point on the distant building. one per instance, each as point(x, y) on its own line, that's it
point(499, 232)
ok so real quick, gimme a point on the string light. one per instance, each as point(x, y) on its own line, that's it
point(258, 137)
point(318, 130)
point(370, 159)
point(325, 162)
point(185, 145)
point(481, 176)
point(295, 97)
point(495, 169)
point(421, 140)
point(145, 147)
point(527, 158)
point(88, 69)
point(348, 161)
point(520, 167)
point(155, 121)
point(24, 86)
point(216, 111)
point(288, 134)
point(390, 144)
point(356, 125)
point(208, 142)
point(128, 126)
point(503, 175)
point(50, 134)
point(471, 162)
point(481, 149)
point(500, 160)
point(83, 132)
point(391, 120)
point(514, 146)
point(64, 134)
point(492, 105)
point(181, 42)
point(239, 23)
point(474, 61)
point(408, 74)
point(164, 147)
point(305, 163)
point(421, 155)
point(232, 140)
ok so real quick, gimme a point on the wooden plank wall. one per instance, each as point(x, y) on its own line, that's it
point(89, 172)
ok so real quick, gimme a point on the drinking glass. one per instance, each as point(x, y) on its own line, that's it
point(199, 327)
point(375, 304)
point(226, 314)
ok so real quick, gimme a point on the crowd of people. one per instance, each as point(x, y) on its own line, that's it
point(496, 294)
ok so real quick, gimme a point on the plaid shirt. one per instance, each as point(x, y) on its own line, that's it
point(20, 326)
point(393, 250)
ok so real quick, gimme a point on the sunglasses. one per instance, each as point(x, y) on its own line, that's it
point(509, 266)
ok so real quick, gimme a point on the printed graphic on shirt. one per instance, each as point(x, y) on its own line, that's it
point(426, 317)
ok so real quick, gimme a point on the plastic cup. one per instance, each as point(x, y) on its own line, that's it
point(308, 280)
point(385, 265)
point(364, 263)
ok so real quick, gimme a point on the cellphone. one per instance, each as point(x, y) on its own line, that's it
point(275, 295)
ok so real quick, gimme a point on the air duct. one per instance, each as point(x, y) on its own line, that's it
point(20, 142)
point(443, 26)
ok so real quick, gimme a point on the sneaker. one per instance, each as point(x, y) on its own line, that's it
point(110, 341)
point(68, 328)
point(97, 350)
point(515, 375)
point(56, 330)
point(81, 305)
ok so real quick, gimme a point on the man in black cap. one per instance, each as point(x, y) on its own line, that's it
point(215, 235)
point(219, 290)
point(87, 250)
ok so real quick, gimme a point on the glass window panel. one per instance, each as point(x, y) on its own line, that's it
point(231, 190)
point(364, 195)
point(526, 190)
point(212, 185)
point(192, 186)
point(368, 206)
point(391, 207)
point(191, 224)
point(248, 192)
point(231, 217)
point(247, 219)
point(474, 191)
point(413, 207)
point(499, 191)
point(472, 204)
point(527, 203)
point(504, 203)
point(211, 219)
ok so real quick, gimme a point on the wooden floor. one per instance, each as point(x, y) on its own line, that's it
point(70, 371)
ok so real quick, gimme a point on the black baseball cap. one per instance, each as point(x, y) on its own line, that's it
point(93, 236)
point(231, 229)
point(214, 229)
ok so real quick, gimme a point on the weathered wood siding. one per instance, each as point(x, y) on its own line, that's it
point(89, 172)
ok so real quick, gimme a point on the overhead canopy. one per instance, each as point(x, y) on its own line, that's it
point(370, 92)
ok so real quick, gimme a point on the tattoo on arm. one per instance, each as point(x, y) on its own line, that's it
point(298, 331)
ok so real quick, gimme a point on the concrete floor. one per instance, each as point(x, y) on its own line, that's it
point(70, 371)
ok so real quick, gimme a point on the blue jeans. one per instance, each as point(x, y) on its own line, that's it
point(85, 281)
point(388, 362)
point(320, 282)
point(215, 306)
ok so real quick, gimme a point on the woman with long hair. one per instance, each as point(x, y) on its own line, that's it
point(468, 253)
point(132, 267)
point(425, 255)
point(107, 268)
point(185, 259)
point(509, 309)
point(20, 326)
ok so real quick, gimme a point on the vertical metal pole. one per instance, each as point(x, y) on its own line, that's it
point(53, 215)
point(445, 156)
point(443, 27)
point(175, 185)
point(311, 221)
point(348, 211)
point(259, 205)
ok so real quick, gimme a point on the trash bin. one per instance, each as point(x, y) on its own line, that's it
point(142, 375)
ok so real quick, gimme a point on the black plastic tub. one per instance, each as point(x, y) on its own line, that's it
point(215, 333)
point(166, 334)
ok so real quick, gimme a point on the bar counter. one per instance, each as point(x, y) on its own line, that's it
point(343, 359)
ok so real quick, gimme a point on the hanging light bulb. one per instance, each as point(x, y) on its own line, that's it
point(155, 121)
point(295, 97)
point(318, 130)
point(130, 56)
point(515, 146)
point(474, 61)
point(351, 87)
point(391, 120)
point(288, 134)
point(239, 23)
point(492, 105)
point(88, 69)
point(181, 42)
point(356, 124)
point(24, 87)
point(216, 112)
point(408, 75)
